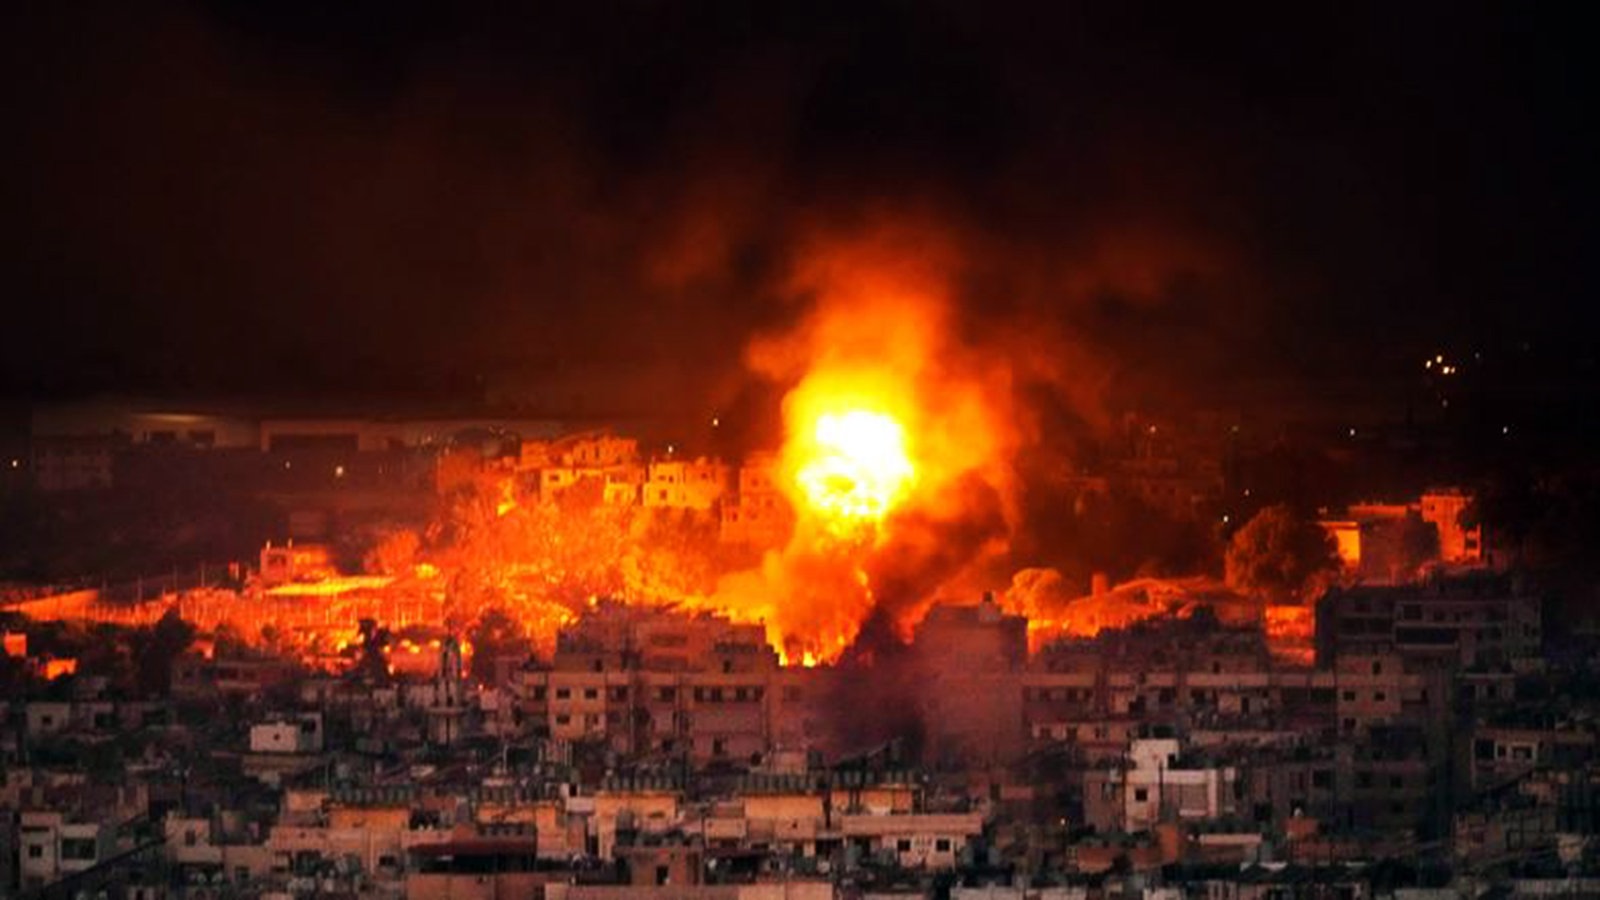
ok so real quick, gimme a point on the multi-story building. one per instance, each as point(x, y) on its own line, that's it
point(644, 683)
point(1456, 622)
point(1392, 543)
point(52, 847)
point(686, 484)
point(1460, 540)
point(758, 514)
point(1155, 783)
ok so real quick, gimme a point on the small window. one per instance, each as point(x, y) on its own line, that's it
point(942, 845)
point(1141, 795)
point(78, 848)
point(903, 845)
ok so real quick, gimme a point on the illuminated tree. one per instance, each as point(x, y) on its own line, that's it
point(1279, 555)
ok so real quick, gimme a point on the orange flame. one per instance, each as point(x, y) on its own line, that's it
point(890, 423)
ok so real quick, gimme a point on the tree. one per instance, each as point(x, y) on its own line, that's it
point(1418, 544)
point(1279, 555)
point(374, 640)
point(495, 634)
point(156, 648)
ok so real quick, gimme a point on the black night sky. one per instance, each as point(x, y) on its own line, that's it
point(371, 197)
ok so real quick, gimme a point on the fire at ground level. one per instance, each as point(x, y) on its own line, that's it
point(976, 685)
point(321, 625)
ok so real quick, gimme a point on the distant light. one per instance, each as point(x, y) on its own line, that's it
point(1428, 364)
point(1352, 432)
point(338, 471)
point(16, 463)
point(1439, 359)
point(1224, 518)
point(1505, 429)
point(715, 422)
point(287, 464)
point(1247, 492)
point(671, 449)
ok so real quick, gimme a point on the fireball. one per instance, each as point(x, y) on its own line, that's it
point(856, 467)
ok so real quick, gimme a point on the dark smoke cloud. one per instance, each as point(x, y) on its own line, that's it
point(930, 545)
point(384, 197)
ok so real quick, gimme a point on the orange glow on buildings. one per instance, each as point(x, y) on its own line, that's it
point(1291, 633)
